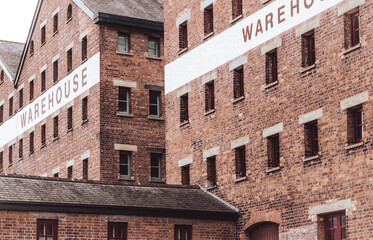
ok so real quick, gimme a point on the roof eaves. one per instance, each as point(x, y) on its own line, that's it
point(5, 68)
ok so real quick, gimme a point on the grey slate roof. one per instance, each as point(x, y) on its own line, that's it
point(10, 55)
point(31, 190)
point(151, 10)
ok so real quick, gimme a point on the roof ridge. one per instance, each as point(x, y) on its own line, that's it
point(9, 41)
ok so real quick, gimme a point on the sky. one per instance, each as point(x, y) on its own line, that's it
point(15, 19)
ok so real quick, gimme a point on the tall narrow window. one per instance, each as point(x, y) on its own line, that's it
point(55, 127)
point(311, 139)
point(271, 67)
point(10, 154)
point(1, 76)
point(153, 47)
point(123, 42)
point(154, 103)
point(238, 83)
point(117, 231)
point(43, 81)
point(43, 134)
point(84, 48)
point(31, 148)
point(309, 55)
point(43, 34)
point(335, 226)
point(47, 229)
point(183, 232)
point(155, 167)
point(31, 90)
point(209, 19)
point(55, 71)
point(85, 109)
point(1, 114)
point(20, 148)
point(70, 118)
point(1, 160)
point(209, 96)
point(355, 125)
point(20, 103)
point(85, 169)
point(185, 175)
point(236, 8)
point(70, 172)
point(183, 36)
point(124, 164)
point(10, 106)
point(124, 100)
point(69, 12)
point(69, 60)
point(55, 23)
point(355, 28)
point(184, 108)
point(240, 162)
point(211, 171)
point(31, 48)
point(273, 145)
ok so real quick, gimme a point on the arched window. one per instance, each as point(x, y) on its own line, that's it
point(69, 12)
point(264, 231)
point(31, 48)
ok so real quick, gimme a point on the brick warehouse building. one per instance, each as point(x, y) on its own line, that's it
point(269, 106)
point(83, 97)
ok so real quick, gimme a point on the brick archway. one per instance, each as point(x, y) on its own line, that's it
point(259, 217)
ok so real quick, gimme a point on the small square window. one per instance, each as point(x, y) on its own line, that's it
point(183, 232)
point(240, 162)
point(154, 103)
point(185, 175)
point(335, 226)
point(156, 160)
point(183, 36)
point(209, 96)
point(124, 100)
point(355, 125)
point(125, 164)
point(209, 19)
point(311, 137)
point(238, 83)
point(117, 231)
point(273, 146)
point(47, 229)
point(308, 49)
point(153, 47)
point(184, 108)
point(123, 42)
point(211, 171)
point(271, 67)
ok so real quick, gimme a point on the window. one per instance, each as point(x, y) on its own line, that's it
point(55, 23)
point(1, 76)
point(117, 231)
point(55, 71)
point(31, 90)
point(211, 171)
point(335, 226)
point(69, 60)
point(355, 28)
point(69, 12)
point(273, 145)
point(236, 8)
point(240, 162)
point(184, 108)
point(43, 35)
point(85, 109)
point(209, 19)
point(55, 127)
point(43, 81)
point(20, 148)
point(70, 118)
point(209, 96)
point(123, 42)
point(70, 172)
point(47, 230)
point(308, 52)
point(355, 125)
point(125, 164)
point(183, 232)
point(10, 154)
point(10, 106)
point(154, 103)
point(1, 160)
point(185, 175)
point(31, 48)
point(1, 114)
point(31, 142)
point(124, 100)
point(55, 175)
point(311, 139)
point(238, 83)
point(43, 135)
point(271, 67)
point(85, 169)
point(183, 36)
point(84, 48)
point(20, 103)
point(155, 167)
point(153, 47)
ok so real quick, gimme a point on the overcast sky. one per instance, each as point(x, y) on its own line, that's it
point(15, 19)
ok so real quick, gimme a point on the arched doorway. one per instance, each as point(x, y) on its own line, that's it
point(263, 231)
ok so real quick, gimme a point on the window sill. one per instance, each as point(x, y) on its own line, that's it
point(43, 44)
point(156, 118)
point(85, 121)
point(308, 159)
point(182, 51)
point(56, 139)
point(154, 58)
point(84, 60)
point(157, 181)
point(125, 53)
point(208, 35)
point(351, 49)
point(122, 114)
point(306, 69)
point(240, 179)
point(209, 112)
point(69, 20)
point(10, 165)
point(20, 159)
point(70, 130)
point(236, 100)
point(43, 146)
point(356, 145)
point(68, 72)
point(211, 187)
point(32, 54)
point(184, 123)
point(273, 169)
point(236, 19)
point(32, 152)
point(271, 85)
point(55, 33)
point(132, 179)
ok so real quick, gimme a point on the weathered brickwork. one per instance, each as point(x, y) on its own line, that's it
point(286, 195)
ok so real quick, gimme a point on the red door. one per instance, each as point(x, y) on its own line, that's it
point(264, 231)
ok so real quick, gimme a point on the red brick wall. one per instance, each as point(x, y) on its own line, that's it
point(290, 192)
